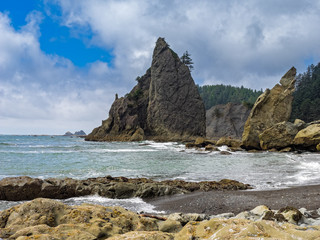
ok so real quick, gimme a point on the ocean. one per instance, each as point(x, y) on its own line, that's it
point(59, 156)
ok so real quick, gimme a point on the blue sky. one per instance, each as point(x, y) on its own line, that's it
point(62, 61)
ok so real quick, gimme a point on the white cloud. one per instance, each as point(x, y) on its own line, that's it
point(230, 41)
point(46, 93)
point(251, 43)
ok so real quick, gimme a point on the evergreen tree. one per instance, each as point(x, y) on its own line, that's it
point(220, 94)
point(306, 98)
point(187, 60)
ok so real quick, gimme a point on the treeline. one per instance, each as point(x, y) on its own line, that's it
point(306, 101)
point(221, 94)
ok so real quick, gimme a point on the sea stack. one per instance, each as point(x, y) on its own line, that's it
point(165, 105)
point(272, 107)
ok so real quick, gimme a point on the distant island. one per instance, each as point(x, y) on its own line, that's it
point(80, 133)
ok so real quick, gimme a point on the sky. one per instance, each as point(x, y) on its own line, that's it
point(62, 61)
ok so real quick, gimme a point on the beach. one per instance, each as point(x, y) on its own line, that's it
point(217, 202)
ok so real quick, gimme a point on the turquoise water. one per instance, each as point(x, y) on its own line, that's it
point(58, 156)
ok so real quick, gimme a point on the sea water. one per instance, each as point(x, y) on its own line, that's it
point(59, 156)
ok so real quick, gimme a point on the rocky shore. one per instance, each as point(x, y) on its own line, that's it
point(50, 219)
point(27, 188)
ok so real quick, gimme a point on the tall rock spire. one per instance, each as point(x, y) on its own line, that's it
point(165, 105)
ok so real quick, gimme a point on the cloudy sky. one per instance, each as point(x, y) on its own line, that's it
point(62, 61)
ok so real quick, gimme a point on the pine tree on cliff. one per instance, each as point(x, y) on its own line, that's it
point(187, 60)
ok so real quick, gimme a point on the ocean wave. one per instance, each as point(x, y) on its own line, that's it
point(133, 204)
point(118, 150)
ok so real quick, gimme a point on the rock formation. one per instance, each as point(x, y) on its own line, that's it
point(27, 188)
point(50, 219)
point(164, 105)
point(279, 136)
point(80, 133)
point(226, 120)
point(272, 107)
point(308, 138)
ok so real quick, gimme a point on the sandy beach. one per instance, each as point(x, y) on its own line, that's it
point(217, 202)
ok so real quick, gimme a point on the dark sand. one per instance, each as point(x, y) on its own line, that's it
point(216, 202)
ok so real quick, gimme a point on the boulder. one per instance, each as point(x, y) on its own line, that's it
point(50, 219)
point(165, 105)
point(229, 142)
point(300, 124)
point(308, 138)
point(278, 136)
point(272, 107)
point(226, 120)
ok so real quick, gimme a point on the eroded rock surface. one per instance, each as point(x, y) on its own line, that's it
point(279, 136)
point(308, 138)
point(272, 107)
point(226, 120)
point(165, 105)
point(50, 219)
point(26, 188)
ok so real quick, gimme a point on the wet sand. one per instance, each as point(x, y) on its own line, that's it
point(216, 202)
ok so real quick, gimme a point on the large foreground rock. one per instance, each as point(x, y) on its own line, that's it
point(308, 138)
point(272, 107)
point(26, 188)
point(49, 219)
point(279, 136)
point(165, 104)
point(226, 120)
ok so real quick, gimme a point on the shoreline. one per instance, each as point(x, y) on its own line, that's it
point(218, 202)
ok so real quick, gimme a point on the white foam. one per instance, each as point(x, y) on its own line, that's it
point(133, 204)
point(118, 150)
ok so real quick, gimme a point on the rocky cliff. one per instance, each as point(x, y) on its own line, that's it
point(272, 107)
point(165, 104)
point(226, 120)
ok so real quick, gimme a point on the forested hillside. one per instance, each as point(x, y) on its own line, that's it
point(221, 94)
point(306, 102)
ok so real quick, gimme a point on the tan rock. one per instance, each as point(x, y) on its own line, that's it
point(170, 225)
point(272, 107)
point(278, 136)
point(308, 137)
point(245, 229)
point(45, 217)
point(211, 148)
point(143, 235)
point(230, 142)
point(260, 210)
point(318, 147)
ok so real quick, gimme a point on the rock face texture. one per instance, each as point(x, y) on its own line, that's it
point(279, 136)
point(226, 120)
point(50, 219)
point(308, 138)
point(26, 188)
point(272, 107)
point(165, 104)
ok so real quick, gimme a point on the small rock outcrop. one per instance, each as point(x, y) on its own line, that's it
point(27, 188)
point(226, 120)
point(272, 107)
point(80, 133)
point(165, 105)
